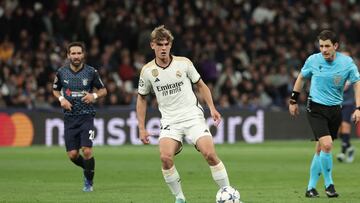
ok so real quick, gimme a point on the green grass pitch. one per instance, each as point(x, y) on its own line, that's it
point(269, 172)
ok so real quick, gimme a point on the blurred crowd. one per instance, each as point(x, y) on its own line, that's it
point(247, 51)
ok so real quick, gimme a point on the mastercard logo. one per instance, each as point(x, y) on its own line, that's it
point(16, 130)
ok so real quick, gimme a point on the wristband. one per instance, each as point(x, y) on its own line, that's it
point(292, 102)
point(294, 96)
point(61, 98)
point(95, 95)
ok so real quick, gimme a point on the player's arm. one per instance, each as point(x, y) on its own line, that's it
point(100, 90)
point(293, 106)
point(92, 97)
point(141, 106)
point(206, 94)
point(64, 103)
point(356, 114)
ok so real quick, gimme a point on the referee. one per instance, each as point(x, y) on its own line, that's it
point(328, 72)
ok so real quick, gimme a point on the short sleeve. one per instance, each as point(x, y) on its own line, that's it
point(57, 82)
point(192, 73)
point(354, 73)
point(306, 69)
point(144, 86)
point(98, 83)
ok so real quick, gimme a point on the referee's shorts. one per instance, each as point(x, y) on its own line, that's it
point(324, 120)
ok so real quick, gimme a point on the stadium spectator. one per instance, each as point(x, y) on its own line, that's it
point(252, 33)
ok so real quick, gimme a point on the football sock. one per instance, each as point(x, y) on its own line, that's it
point(89, 169)
point(79, 161)
point(345, 138)
point(220, 175)
point(326, 167)
point(172, 179)
point(315, 171)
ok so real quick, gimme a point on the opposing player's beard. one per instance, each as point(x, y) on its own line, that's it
point(76, 63)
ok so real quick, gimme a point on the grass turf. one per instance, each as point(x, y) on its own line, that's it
point(269, 172)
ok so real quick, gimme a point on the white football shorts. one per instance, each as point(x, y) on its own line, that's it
point(191, 129)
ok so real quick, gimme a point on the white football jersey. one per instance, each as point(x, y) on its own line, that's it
point(173, 89)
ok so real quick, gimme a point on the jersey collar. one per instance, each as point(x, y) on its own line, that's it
point(76, 72)
point(171, 59)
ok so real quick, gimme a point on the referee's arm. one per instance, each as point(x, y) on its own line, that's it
point(299, 83)
point(293, 106)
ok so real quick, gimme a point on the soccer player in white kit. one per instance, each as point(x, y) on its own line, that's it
point(171, 78)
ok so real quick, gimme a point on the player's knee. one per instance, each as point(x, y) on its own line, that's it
point(167, 160)
point(87, 152)
point(210, 156)
point(326, 147)
point(73, 155)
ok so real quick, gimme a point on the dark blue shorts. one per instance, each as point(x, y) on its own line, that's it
point(79, 131)
point(347, 111)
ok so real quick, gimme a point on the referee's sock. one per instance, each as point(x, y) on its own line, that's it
point(89, 166)
point(79, 161)
point(326, 167)
point(345, 138)
point(315, 172)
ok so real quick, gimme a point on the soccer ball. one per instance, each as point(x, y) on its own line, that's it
point(228, 194)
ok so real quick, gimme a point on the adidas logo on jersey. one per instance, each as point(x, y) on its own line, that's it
point(157, 80)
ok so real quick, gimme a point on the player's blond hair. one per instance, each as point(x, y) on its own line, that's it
point(161, 33)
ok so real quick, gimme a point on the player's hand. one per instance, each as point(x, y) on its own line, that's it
point(88, 98)
point(65, 104)
point(294, 109)
point(216, 116)
point(356, 116)
point(144, 136)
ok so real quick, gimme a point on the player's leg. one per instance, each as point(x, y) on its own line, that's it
point(199, 134)
point(73, 152)
point(168, 147)
point(326, 145)
point(87, 135)
point(72, 142)
point(347, 148)
point(324, 122)
point(326, 158)
point(218, 171)
point(89, 168)
point(315, 172)
point(345, 130)
point(76, 158)
point(347, 151)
